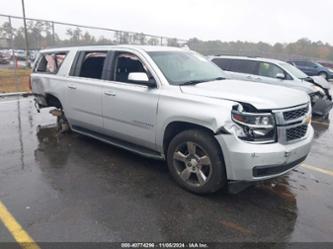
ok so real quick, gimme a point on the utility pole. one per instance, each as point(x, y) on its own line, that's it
point(26, 36)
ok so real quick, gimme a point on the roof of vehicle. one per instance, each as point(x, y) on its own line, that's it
point(301, 60)
point(247, 58)
point(145, 48)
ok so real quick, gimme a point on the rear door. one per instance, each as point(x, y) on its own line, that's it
point(129, 108)
point(84, 90)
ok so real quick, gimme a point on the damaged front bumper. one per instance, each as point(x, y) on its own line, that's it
point(322, 106)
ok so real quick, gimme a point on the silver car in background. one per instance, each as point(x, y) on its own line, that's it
point(280, 73)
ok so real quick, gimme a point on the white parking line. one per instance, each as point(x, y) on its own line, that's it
point(321, 170)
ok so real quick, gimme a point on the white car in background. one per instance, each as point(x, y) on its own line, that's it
point(280, 73)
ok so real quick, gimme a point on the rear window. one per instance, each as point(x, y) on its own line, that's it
point(236, 65)
point(50, 62)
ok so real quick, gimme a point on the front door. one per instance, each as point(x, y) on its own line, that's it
point(129, 108)
point(268, 72)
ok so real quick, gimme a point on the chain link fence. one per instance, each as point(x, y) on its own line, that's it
point(14, 58)
point(14, 73)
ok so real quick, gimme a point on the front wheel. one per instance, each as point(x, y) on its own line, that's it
point(196, 162)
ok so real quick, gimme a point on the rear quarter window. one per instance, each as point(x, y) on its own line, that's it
point(49, 63)
point(236, 65)
point(225, 64)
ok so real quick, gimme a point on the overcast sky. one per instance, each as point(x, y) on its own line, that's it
point(228, 20)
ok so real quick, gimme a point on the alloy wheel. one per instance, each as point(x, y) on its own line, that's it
point(192, 164)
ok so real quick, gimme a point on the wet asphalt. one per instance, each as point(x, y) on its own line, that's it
point(72, 188)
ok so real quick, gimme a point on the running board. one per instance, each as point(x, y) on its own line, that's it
point(119, 143)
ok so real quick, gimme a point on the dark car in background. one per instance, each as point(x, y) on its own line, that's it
point(329, 65)
point(313, 68)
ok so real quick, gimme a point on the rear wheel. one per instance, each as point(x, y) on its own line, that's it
point(196, 163)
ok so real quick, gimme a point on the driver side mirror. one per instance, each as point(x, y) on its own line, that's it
point(141, 78)
point(280, 76)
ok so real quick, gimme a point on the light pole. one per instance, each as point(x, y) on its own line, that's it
point(26, 36)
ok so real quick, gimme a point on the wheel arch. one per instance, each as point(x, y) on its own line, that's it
point(175, 127)
point(52, 100)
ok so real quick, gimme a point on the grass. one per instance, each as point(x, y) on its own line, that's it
point(11, 82)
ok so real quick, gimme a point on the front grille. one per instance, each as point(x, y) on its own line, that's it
point(296, 132)
point(295, 114)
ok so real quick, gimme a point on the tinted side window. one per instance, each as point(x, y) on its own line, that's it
point(244, 66)
point(236, 65)
point(304, 63)
point(50, 62)
point(225, 64)
point(269, 70)
point(311, 64)
point(89, 64)
point(298, 63)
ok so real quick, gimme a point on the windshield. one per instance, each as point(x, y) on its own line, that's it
point(180, 67)
point(294, 71)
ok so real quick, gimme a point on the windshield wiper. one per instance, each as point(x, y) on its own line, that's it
point(309, 79)
point(194, 82)
point(219, 78)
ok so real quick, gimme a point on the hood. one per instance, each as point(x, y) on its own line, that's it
point(318, 80)
point(300, 84)
point(261, 96)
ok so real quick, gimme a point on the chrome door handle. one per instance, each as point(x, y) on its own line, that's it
point(72, 87)
point(249, 77)
point(110, 93)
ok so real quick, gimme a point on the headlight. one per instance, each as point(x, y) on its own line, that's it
point(318, 89)
point(254, 127)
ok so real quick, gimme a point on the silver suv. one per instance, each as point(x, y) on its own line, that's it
point(276, 72)
point(174, 104)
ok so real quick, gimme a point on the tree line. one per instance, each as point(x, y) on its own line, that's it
point(42, 34)
point(303, 48)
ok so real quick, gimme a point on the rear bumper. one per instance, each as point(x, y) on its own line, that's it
point(254, 162)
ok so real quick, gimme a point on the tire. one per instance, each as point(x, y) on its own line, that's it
point(63, 124)
point(196, 163)
point(324, 75)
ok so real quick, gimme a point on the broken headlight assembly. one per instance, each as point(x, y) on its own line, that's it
point(254, 127)
point(316, 96)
